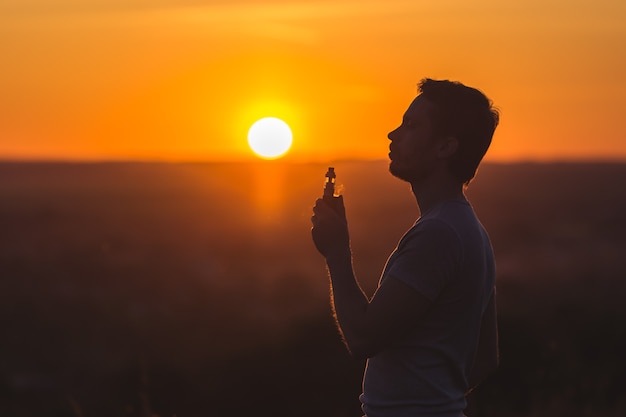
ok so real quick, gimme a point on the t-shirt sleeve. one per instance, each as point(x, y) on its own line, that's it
point(427, 257)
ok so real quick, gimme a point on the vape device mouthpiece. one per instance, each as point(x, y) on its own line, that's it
point(329, 184)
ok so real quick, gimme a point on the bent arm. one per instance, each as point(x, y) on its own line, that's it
point(348, 301)
point(368, 327)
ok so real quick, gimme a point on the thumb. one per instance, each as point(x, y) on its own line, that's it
point(340, 208)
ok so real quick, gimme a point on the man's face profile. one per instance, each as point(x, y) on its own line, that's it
point(412, 148)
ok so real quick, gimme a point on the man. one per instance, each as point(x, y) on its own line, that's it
point(429, 332)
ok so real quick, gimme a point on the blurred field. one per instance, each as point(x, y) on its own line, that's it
point(194, 290)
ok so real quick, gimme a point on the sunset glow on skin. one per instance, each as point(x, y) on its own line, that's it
point(170, 80)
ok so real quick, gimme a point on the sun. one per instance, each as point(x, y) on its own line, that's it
point(270, 138)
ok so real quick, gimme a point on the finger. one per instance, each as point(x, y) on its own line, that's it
point(341, 208)
point(319, 210)
point(318, 202)
point(322, 207)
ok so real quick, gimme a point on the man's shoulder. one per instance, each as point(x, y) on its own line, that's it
point(452, 223)
point(432, 230)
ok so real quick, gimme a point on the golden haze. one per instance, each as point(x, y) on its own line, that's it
point(170, 80)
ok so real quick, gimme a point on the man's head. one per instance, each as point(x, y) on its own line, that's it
point(446, 121)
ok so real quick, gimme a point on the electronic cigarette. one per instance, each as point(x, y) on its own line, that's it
point(329, 184)
point(331, 193)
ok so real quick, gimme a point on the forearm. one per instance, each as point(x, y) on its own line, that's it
point(371, 325)
point(349, 303)
point(348, 300)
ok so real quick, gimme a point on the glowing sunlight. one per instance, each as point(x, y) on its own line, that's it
point(270, 138)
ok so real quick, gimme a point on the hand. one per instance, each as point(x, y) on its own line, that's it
point(330, 227)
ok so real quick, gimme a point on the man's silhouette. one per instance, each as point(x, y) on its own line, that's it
point(429, 331)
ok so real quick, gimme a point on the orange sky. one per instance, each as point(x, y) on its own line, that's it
point(184, 79)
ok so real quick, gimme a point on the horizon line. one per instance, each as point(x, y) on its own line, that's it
point(113, 161)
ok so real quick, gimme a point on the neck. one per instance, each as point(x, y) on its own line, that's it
point(436, 189)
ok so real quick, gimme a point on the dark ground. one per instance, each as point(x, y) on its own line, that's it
point(194, 290)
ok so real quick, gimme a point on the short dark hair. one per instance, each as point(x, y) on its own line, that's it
point(466, 114)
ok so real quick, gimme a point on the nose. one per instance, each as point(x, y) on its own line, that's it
point(391, 134)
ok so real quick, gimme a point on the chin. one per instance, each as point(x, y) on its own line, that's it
point(410, 174)
point(398, 172)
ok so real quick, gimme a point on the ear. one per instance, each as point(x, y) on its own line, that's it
point(448, 146)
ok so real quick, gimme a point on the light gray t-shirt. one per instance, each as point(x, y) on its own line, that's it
point(447, 257)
